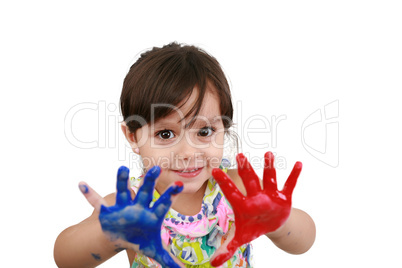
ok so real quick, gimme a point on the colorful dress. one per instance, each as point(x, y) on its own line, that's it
point(194, 239)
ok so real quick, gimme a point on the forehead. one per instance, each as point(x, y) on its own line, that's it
point(209, 112)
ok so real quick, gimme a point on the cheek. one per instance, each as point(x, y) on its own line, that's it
point(148, 162)
point(157, 157)
point(216, 143)
point(215, 157)
point(215, 152)
point(219, 137)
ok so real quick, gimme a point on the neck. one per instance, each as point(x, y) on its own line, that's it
point(189, 204)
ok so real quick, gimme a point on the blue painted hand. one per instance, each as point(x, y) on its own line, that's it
point(133, 222)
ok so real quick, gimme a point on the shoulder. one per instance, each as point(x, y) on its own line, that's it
point(110, 199)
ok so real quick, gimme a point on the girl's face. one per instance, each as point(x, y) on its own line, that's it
point(186, 154)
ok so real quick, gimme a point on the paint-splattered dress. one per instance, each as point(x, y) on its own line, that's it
point(194, 239)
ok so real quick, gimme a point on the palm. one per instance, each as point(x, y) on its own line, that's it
point(134, 230)
point(133, 223)
point(262, 210)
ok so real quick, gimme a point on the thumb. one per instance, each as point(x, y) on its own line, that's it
point(163, 204)
point(92, 196)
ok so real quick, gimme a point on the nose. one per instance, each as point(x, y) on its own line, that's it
point(187, 149)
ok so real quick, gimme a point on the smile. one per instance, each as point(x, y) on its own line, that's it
point(188, 173)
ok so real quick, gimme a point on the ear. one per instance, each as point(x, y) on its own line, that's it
point(130, 138)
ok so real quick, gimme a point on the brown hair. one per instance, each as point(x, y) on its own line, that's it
point(168, 75)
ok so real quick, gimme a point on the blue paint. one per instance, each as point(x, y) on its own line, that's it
point(118, 249)
point(83, 188)
point(96, 256)
point(134, 221)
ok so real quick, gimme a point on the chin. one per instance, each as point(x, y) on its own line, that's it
point(193, 187)
point(192, 181)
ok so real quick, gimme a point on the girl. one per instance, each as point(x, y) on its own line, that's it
point(177, 109)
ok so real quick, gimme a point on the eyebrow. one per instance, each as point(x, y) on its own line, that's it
point(204, 121)
point(197, 121)
point(211, 119)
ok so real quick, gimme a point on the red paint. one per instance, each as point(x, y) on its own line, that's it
point(189, 174)
point(260, 212)
point(178, 183)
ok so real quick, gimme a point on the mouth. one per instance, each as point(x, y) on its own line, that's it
point(188, 172)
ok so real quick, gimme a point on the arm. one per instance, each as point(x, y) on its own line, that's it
point(85, 244)
point(263, 210)
point(297, 235)
point(130, 223)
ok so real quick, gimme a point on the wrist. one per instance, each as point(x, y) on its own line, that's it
point(282, 230)
point(278, 233)
point(297, 235)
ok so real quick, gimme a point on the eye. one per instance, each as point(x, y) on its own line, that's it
point(165, 134)
point(206, 131)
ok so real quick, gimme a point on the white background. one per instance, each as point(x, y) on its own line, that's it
point(283, 59)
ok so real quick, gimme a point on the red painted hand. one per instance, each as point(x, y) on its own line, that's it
point(260, 212)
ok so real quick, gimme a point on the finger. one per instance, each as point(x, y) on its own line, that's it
point(226, 250)
point(123, 195)
point(162, 205)
point(92, 196)
point(269, 177)
point(292, 179)
point(229, 189)
point(250, 179)
point(145, 192)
